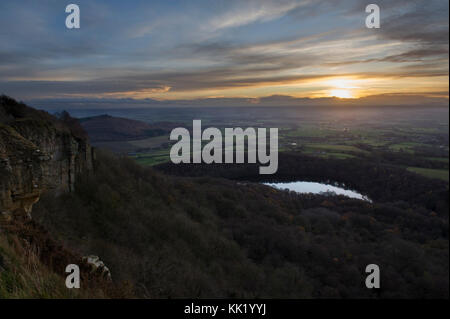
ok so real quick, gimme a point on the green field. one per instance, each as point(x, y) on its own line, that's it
point(308, 132)
point(405, 147)
point(334, 148)
point(153, 157)
point(414, 141)
point(431, 173)
point(152, 160)
point(329, 155)
point(438, 159)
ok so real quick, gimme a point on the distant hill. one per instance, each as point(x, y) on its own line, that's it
point(106, 128)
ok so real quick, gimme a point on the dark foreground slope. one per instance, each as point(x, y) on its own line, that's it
point(173, 236)
point(32, 265)
point(210, 237)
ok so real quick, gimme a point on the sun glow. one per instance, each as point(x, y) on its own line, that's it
point(343, 94)
point(342, 88)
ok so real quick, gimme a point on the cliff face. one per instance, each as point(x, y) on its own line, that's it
point(38, 153)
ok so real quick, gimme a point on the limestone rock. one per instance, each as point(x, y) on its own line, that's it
point(38, 153)
point(97, 266)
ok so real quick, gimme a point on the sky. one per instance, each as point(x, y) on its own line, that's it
point(224, 50)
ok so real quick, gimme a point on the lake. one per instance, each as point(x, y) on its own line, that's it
point(317, 188)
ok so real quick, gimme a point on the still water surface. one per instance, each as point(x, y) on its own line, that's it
point(317, 188)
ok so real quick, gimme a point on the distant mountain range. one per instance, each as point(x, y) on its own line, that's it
point(436, 99)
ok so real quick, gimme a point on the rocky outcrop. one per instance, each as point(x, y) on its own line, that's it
point(97, 266)
point(38, 153)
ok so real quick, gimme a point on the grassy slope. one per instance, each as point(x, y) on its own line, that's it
point(22, 275)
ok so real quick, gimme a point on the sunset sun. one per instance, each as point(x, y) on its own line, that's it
point(342, 88)
point(341, 93)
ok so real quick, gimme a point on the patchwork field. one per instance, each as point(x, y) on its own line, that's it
point(417, 140)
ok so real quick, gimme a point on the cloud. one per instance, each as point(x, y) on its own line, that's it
point(27, 89)
point(178, 82)
point(196, 47)
point(415, 55)
point(421, 22)
point(243, 13)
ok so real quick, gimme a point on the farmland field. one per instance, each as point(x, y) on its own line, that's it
point(416, 140)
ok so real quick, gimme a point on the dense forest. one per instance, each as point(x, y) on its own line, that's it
point(173, 236)
point(379, 181)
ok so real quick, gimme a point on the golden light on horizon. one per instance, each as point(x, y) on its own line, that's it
point(343, 94)
point(342, 88)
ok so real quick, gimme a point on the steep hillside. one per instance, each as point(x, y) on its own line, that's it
point(207, 237)
point(40, 154)
point(32, 265)
point(22, 275)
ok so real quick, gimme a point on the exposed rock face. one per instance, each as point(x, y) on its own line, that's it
point(97, 266)
point(38, 152)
